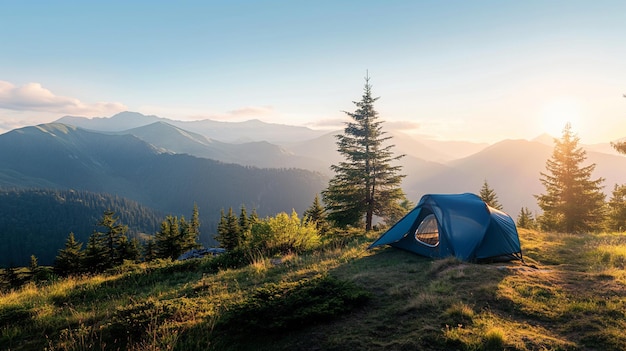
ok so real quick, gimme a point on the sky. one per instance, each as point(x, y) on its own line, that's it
point(478, 71)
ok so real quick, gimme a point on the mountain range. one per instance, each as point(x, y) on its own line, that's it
point(238, 132)
point(169, 165)
point(61, 156)
point(511, 167)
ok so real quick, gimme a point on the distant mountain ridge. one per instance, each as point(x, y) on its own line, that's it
point(273, 145)
point(170, 138)
point(59, 156)
point(291, 138)
point(252, 130)
point(511, 167)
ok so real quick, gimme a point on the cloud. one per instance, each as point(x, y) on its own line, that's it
point(8, 123)
point(336, 123)
point(251, 111)
point(402, 125)
point(34, 97)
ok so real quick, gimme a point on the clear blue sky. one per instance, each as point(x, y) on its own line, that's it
point(469, 70)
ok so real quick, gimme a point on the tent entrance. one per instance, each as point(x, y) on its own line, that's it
point(427, 233)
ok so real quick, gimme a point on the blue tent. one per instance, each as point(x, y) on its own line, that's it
point(460, 225)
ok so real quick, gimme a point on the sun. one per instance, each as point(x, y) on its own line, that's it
point(555, 114)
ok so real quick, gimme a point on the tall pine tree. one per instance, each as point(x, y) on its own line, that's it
point(366, 184)
point(573, 202)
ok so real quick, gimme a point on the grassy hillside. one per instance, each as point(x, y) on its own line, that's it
point(570, 295)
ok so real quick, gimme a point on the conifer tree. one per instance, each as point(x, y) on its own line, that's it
point(11, 279)
point(233, 229)
point(617, 209)
point(222, 233)
point(95, 258)
point(193, 234)
point(244, 220)
point(316, 214)
point(149, 250)
point(253, 218)
point(366, 184)
point(489, 196)
point(112, 240)
point(619, 146)
point(573, 202)
point(129, 249)
point(177, 236)
point(189, 234)
point(166, 239)
point(401, 209)
point(33, 266)
point(70, 259)
point(184, 232)
point(228, 231)
point(525, 219)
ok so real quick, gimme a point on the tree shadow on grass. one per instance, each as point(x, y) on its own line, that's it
point(563, 301)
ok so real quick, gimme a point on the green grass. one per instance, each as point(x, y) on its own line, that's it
point(570, 295)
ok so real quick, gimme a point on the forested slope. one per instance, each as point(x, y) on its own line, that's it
point(63, 157)
point(37, 222)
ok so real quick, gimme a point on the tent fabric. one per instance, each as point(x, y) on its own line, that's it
point(468, 229)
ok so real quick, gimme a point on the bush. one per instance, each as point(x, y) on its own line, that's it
point(283, 234)
point(137, 321)
point(230, 259)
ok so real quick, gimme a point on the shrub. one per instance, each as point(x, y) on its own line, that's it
point(135, 321)
point(230, 259)
point(282, 234)
point(494, 339)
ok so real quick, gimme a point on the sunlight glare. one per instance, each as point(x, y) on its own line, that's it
point(556, 113)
